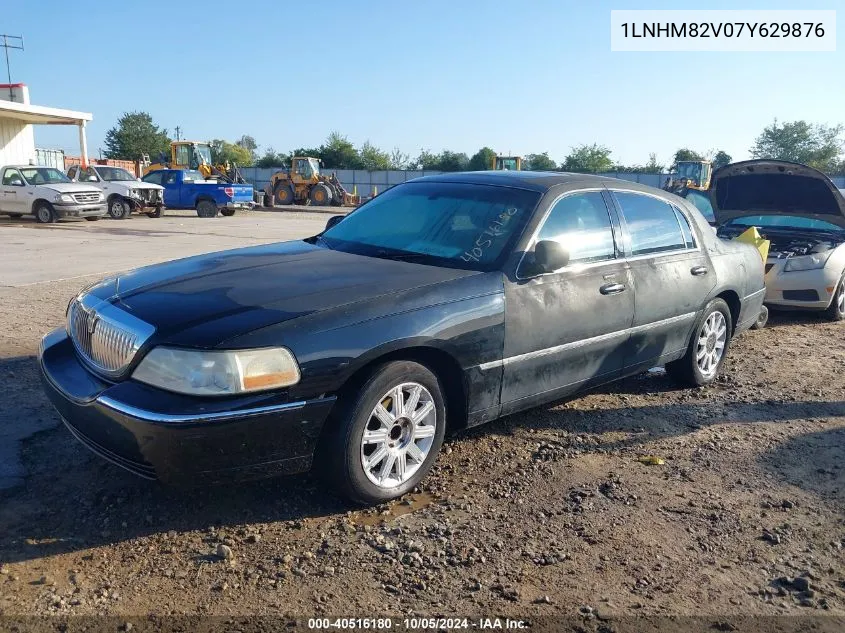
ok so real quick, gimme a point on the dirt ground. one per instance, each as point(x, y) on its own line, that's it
point(549, 512)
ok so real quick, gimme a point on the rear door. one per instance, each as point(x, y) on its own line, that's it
point(567, 329)
point(671, 274)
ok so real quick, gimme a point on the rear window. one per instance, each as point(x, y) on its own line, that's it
point(652, 223)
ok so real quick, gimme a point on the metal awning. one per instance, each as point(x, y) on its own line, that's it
point(42, 115)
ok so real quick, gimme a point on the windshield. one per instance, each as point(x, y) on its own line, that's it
point(204, 152)
point(114, 174)
point(43, 175)
point(784, 221)
point(453, 224)
point(689, 170)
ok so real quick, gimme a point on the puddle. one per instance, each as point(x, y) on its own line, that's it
point(408, 504)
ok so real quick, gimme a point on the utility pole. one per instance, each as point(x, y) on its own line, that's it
point(178, 133)
point(17, 44)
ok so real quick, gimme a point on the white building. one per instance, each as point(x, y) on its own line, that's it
point(18, 115)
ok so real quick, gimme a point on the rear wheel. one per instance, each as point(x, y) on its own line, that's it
point(154, 214)
point(283, 194)
point(708, 348)
point(388, 434)
point(206, 209)
point(44, 213)
point(320, 194)
point(119, 209)
point(836, 310)
point(762, 319)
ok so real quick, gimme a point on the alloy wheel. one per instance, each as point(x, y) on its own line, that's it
point(399, 435)
point(711, 343)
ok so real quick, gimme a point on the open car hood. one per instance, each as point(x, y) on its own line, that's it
point(775, 187)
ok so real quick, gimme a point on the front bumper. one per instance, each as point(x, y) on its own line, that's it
point(174, 438)
point(807, 289)
point(143, 206)
point(238, 205)
point(80, 210)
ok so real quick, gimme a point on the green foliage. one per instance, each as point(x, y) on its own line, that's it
point(720, 159)
point(539, 162)
point(223, 152)
point(684, 154)
point(271, 159)
point(399, 159)
point(136, 134)
point(372, 158)
point(249, 144)
point(338, 153)
point(816, 145)
point(482, 159)
point(589, 159)
point(651, 167)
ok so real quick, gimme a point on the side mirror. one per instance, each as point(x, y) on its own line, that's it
point(549, 256)
point(334, 220)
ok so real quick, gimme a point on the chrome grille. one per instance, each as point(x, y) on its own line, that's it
point(106, 337)
point(84, 198)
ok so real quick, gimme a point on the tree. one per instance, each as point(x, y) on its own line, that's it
point(720, 159)
point(482, 159)
point(427, 160)
point(372, 158)
point(223, 152)
point(398, 159)
point(816, 145)
point(136, 134)
point(272, 159)
point(249, 144)
point(651, 167)
point(684, 154)
point(453, 161)
point(539, 162)
point(589, 159)
point(338, 153)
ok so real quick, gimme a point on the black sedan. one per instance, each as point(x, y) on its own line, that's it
point(443, 303)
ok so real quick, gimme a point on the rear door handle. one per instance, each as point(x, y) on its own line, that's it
point(698, 270)
point(612, 289)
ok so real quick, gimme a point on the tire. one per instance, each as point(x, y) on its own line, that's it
point(690, 370)
point(207, 209)
point(836, 310)
point(119, 209)
point(154, 214)
point(44, 213)
point(343, 451)
point(227, 212)
point(92, 218)
point(320, 194)
point(283, 194)
point(762, 319)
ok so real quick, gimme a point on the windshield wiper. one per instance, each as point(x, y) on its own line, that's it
point(401, 257)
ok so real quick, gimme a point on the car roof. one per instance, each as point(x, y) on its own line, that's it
point(31, 167)
point(540, 181)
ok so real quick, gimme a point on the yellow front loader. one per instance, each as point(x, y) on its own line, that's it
point(303, 183)
point(193, 155)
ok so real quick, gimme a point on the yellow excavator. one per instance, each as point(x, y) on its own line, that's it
point(193, 155)
point(303, 183)
point(506, 163)
point(692, 174)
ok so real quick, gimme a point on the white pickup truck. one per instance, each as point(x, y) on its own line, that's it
point(48, 194)
point(124, 192)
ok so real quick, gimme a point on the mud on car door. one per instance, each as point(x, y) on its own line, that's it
point(568, 328)
point(671, 274)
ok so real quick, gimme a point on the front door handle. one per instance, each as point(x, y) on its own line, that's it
point(612, 289)
point(698, 270)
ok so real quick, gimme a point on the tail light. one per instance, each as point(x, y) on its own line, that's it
point(229, 191)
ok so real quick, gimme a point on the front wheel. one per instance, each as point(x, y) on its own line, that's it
point(154, 214)
point(206, 209)
point(708, 348)
point(44, 213)
point(228, 212)
point(388, 434)
point(836, 310)
point(119, 209)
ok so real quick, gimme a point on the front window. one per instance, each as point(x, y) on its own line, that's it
point(114, 174)
point(581, 224)
point(784, 222)
point(43, 175)
point(202, 154)
point(451, 224)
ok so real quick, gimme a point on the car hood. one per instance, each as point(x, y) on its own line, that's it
point(774, 187)
point(205, 300)
point(70, 187)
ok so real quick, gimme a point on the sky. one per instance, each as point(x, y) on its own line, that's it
point(521, 77)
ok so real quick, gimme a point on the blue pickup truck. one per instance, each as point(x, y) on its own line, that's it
point(186, 189)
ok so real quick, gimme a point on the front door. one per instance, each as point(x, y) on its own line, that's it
point(672, 277)
point(567, 329)
point(14, 192)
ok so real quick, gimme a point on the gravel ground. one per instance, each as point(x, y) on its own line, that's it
point(549, 512)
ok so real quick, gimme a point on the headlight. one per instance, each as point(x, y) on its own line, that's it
point(63, 197)
point(218, 373)
point(807, 262)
